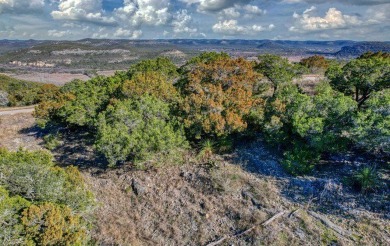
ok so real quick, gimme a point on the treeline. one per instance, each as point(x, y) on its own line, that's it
point(41, 203)
point(155, 108)
point(14, 92)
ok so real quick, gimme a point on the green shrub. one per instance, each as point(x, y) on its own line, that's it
point(300, 160)
point(366, 180)
point(137, 129)
point(51, 141)
point(41, 204)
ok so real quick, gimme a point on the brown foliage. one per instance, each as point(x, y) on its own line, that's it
point(218, 94)
point(152, 83)
point(50, 224)
point(315, 63)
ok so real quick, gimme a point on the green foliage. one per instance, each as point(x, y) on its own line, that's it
point(361, 77)
point(89, 99)
point(300, 160)
point(207, 149)
point(22, 93)
point(161, 65)
point(45, 181)
point(11, 230)
point(366, 180)
point(315, 63)
point(51, 141)
point(371, 125)
point(41, 204)
point(278, 70)
point(52, 224)
point(318, 123)
point(137, 129)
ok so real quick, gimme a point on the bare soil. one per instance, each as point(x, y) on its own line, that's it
point(227, 199)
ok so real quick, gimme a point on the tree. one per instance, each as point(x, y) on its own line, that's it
point(361, 77)
point(150, 83)
point(315, 63)
point(218, 93)
point(137, 129)
point(371, 129)
point(161, 66)
point(277, 70)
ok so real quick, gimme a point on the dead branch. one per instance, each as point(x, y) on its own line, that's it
point(265, 223)
point(331, 225)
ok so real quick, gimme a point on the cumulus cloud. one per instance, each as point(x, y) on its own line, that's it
point(150, 12)
point(232, 28)
point(333, 19)
point(126, 33)
point(182, 23)
point(21, 6)
point(58, 34)
point(82, 10)
point(351, 2)
point(215, 5)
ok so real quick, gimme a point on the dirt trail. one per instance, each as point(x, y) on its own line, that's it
point(18, 110)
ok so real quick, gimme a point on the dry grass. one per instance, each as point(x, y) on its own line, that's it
point(17, 131)
point(197, 203)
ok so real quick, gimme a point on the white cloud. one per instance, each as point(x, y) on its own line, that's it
point(333, 19)
point(231, 12)
point(82, 10)
point(253, 9)
point(126, 33)
point(58, 34)
point(215, 5)
point(182, 23)
point(351, 2)
point(150, 12)
point(21, 6)
point(232, 28)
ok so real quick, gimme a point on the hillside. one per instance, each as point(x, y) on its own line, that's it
point(106, 54)
point(230, 197)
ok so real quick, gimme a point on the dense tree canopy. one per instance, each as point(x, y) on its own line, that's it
point(217, 95)
point(315, 63)
point(277, 70)
point(361, 77)
point(137, 128)
point(149, 109)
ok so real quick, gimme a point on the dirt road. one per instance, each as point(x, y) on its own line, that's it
point(18, 110)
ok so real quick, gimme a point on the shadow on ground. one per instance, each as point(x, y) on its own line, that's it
point(73, 148)
point(327, 189)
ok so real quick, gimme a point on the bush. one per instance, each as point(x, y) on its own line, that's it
point(366, 180)
point(300, 160)
point(41, 204)
point(371, 129)
point(137, 129)
point(218, 94)
point(51, 224)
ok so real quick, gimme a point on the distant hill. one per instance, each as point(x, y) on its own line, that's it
point(361, 48)
point(119, 54)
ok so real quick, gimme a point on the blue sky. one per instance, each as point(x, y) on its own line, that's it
point(214, 19)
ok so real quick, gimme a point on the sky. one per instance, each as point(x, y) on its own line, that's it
point(206, 19)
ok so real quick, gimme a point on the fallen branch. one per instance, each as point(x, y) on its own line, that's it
point(265, 223)
point(331, 225)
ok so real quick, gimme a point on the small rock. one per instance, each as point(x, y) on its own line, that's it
point(137, 187)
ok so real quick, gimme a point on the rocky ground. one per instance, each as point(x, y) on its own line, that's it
point(244, 198)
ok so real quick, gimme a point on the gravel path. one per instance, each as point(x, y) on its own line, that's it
point(13, 111)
